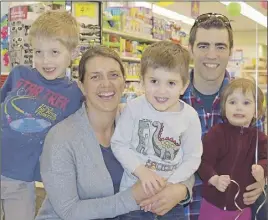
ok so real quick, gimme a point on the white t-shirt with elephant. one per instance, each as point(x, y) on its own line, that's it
point(167, 142)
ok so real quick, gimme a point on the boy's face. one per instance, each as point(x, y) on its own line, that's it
point(51, 57)
point(240, 108)
point(163, 88)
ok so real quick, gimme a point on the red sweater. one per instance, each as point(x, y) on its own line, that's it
point(230, 150)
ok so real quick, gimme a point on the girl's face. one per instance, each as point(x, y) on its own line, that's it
point(240, 108)
point(103, 84)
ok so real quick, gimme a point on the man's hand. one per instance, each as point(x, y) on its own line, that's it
point(220, 182)
point(166, 199)
point(254, 191)
point(151, 182)
point(257, 172)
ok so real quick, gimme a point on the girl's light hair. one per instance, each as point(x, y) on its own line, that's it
point(58, 25)
point(246, 85)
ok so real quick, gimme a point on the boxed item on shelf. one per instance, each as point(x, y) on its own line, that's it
point(126, 47)
point(135, 20)
point(3, 78)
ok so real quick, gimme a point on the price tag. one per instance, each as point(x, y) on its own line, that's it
point(85, 9)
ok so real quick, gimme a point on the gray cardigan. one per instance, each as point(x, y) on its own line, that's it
point(77, 182)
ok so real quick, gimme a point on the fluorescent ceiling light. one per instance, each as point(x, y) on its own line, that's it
point(251, 13)
point(165, 12)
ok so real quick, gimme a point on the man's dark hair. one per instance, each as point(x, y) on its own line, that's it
point(211, 22)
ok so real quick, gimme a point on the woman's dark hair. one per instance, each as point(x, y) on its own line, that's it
point(98, 51)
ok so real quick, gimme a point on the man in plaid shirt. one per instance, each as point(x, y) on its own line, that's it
point(211, 43)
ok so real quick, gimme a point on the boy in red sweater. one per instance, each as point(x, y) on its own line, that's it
point(229, 154)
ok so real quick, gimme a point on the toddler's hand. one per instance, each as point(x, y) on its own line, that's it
point(146, 208)
point(257, 172)
point(220, 182)
point(151, 182)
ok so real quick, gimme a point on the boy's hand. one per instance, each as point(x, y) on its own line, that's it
point(257, 172)
point(151, 182)
point(220, 182)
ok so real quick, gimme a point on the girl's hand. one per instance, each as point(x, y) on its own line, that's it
point(220, 182)
point(257, 172)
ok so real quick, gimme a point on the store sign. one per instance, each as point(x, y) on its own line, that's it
point(18, 13)
point(85, 9)
point(195, 8)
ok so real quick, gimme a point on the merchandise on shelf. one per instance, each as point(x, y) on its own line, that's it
point(164, 29)
point(125, 47)
point(21, 18)
point(90, 35)
point(249, 71)
point(132, 90)
point(112, 18)
point(132, 71)
point(4, 41)
point(86, 14)
point(136, 20)
point(2, 79)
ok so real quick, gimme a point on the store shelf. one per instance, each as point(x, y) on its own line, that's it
point(133, 59)
point(4, 74)
point(263, 87)
point(253, 71)
point(130, 78)
point(131, 36)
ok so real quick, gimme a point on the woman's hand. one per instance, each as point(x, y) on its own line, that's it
point(166, 199)
point(138, 192)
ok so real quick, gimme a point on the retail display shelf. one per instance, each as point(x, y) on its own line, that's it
point(133, 59)
point(253, 71)
point(263, 87)
point(129, 35)
point(131, 78)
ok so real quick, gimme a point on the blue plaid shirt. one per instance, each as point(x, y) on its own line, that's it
point(207, 119)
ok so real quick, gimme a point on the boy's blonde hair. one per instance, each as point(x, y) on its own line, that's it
point(168, 55)
point(246, 85)
point(58, 25)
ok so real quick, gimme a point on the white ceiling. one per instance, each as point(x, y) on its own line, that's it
point(239, 23)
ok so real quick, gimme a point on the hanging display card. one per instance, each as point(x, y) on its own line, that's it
point(85, 9)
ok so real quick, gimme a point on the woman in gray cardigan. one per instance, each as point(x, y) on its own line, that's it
point(80, 174)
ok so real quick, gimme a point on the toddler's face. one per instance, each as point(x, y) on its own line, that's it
point(51, 57)
point(240, 108)
point(163, 89)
